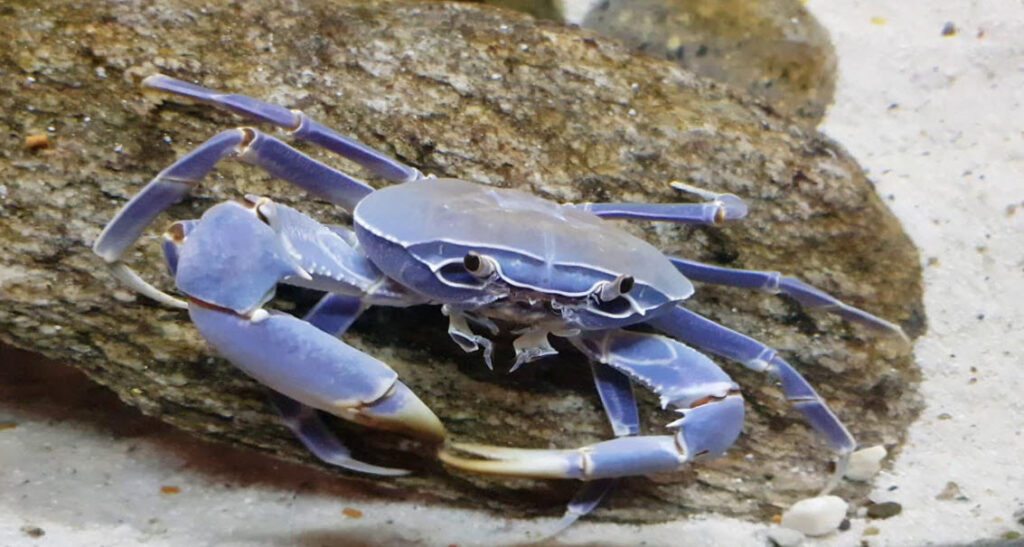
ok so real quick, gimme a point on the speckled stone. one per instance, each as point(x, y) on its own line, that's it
point(452, 90)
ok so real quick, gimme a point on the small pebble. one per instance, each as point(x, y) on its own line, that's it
point(949, 29)
point(951, 491)
point(815, 516)
point(845, 525)
point(33, 531)
point(37, 142)
point(169, 490)
point(884, 510)
point(865, 464)
point(871, 531)
point(785, 537)
point(352, 513)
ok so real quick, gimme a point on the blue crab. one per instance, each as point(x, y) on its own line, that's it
point(487, 256)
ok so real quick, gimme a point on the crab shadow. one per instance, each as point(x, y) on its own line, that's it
point(41, 390)
point(38, 390)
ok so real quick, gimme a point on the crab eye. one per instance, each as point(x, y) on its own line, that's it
point(616, 288)
point(477, 265)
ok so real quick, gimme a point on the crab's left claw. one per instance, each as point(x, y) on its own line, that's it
point(705, 430)
point(620, 457)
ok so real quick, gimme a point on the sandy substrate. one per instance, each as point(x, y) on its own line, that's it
point(938, 122)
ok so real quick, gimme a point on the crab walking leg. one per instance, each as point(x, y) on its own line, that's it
point(335, 313)
point(718, 209)
point(708, 335)
point(714, 213)
point(586, 499)
point(686, 213)
point(175, 182)
point(311, 431)
point(294, 121)
point(169, 187)
point(775, 283)
point(316, 369)
point(616, 391)
point(709, 402)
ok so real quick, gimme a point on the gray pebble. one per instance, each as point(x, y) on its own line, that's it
point(884, 510)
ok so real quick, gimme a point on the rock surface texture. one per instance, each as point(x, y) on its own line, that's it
point(457, 91)
point(772, 49)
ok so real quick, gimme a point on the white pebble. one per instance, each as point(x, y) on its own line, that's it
point(865, 464)
point(784, 537)
point(815, 516)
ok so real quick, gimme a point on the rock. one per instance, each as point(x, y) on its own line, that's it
point(815, 516)
point(951, 491)
point(33, 532)
point(561, 118)
point(884, 510)
point(785, 537)
point(772, 49)
point(865, 464)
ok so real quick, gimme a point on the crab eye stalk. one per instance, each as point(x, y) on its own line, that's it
point(615, 288)
point(477, 265)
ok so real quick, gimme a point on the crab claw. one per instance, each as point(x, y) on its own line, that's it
point(620, 457)
point(400, 410)
point(316, 369)
point(708, 427)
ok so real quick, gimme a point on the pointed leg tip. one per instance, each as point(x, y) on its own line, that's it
point(378, 470)
point(902, 334)
point(154, 80)
point(888, 327)
point(510, 462)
